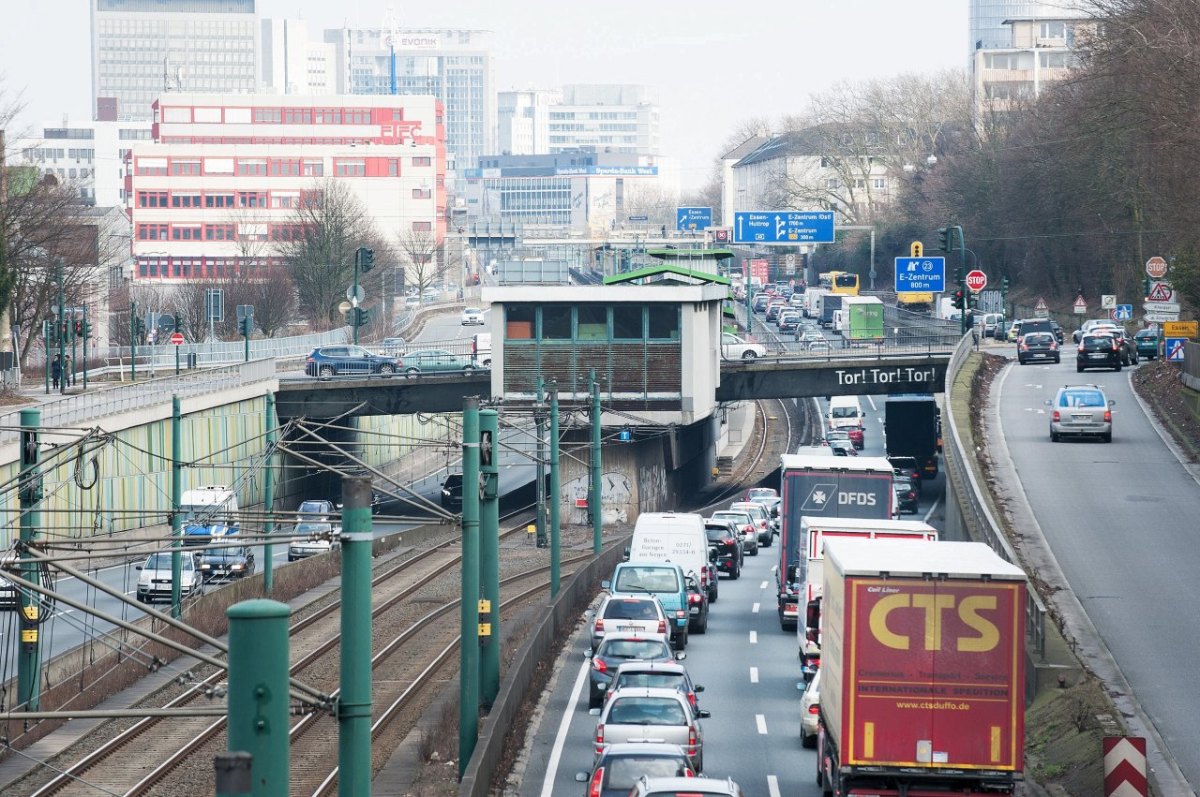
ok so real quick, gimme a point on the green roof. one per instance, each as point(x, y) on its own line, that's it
point(665, 268)
point(685, 254)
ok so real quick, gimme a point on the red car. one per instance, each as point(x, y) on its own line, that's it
point(856, 436)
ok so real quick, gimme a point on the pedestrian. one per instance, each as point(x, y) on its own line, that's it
point(68, 376)
point(55, 371)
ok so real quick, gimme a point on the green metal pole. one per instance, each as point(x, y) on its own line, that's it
point(86, 328)
point(962, 278)
point(62, 333)
point(489, 557)
point(258, 692)
point(268, 496)
point(74, 342)
point(539, 419)
point(354, 309)
point(177, 361)
point(246, 339)
point(176, 509)
point(595, 492)
point(354, 704)
point(133, 341)
point(29, 660)
point(555, 521)
point(468, 676)
point(46, 346)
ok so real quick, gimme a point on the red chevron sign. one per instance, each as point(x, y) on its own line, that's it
point(1125, 766)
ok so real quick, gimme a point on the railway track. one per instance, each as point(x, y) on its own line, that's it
point(115, 768)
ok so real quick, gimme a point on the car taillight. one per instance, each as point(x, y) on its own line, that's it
point(692, 698)
point(680, 613)
point(910, 495)
point(1108, 416)
point(1081, 347)
point(814, 709)
point(1054, 416)
point(599, 665)
point(692, 737)
point(662, 626)
point(1024, 346)
point(1116, 346)
point(599, 734)
point(1053, 345)
point(597, 779)
point(695, 597)
point(599, 629)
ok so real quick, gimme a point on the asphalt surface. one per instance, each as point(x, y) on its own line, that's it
point(1121, 519)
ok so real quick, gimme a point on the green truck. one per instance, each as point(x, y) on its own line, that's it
point(861, 320)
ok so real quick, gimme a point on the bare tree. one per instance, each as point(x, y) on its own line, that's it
point(188, 301)
point(421, 253)
point(274, 300)
point(651, 201)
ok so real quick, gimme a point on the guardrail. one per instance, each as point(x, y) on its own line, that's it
point(102, 402)
point(981, 524)
point(1191, 365)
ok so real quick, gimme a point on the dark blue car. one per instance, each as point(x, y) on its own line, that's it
point(351, 360)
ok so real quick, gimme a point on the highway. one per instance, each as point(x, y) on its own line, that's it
point(1121, 519)
point(749, 669)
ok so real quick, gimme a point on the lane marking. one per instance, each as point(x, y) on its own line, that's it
point(773, 786)
point(929, 514)
point(753, 675)
point(871, 401)
point(763, 585)
point(561, 738)
point(753, 637)
point(754, 608)
point(761, 721)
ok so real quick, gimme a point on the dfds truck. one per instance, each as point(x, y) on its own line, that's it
point(819, 486)
point(922, 675)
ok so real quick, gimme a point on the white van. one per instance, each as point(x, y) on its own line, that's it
point(678, 538)
point(845, 413)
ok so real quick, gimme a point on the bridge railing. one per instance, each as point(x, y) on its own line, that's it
point(981, 524)
point(83, 408)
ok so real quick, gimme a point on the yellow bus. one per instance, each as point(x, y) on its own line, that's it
point(843, 282)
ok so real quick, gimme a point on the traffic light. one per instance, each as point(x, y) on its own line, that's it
point(958, 300)
point(85, 328)
point(972, 300)
point(139, 329)
point(365, 258)
point(1146, 286)
point(944, 239)
point(916, 249)
point(350, 316)
point(78, 328)
point(362, 316)
point(246, 326)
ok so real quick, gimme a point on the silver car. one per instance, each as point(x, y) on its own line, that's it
point(747, 529)
point(810, 705)
point(700, 787)
point(652, 715)
point(1080, 410)
point(628, 614)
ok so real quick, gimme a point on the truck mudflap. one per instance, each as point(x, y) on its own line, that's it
point(789, 614)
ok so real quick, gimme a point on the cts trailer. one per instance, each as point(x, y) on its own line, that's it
point(922, 675)
point(822, 486)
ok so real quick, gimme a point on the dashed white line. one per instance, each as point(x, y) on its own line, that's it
point(753, 675)
point(773, 786)
point(754, 609)
point(762, 585)
point(753, 637)
point(761, 721)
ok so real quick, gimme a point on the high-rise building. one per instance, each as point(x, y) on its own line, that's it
point(143, 48)
point(523, 121)
point(988, 31)
point(455, 66)
point(605, 118)
point(292, 63)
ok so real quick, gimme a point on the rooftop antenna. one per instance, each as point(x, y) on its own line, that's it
point(390, 34)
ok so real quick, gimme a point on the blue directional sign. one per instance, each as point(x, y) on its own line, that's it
point(783, 227)
point(1123, 312)
point(1174, 348)
point(693, 218)
point(920, 274)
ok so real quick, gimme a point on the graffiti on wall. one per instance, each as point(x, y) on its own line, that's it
point(652, 488)
point(616, 497)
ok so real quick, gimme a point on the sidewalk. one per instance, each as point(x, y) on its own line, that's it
point(739, 430)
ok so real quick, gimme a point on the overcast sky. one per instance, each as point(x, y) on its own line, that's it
point(711, 63)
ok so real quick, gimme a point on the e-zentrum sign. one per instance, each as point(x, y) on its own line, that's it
point(902, 374)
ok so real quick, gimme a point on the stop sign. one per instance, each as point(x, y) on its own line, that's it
point(1156, 268)
point(976, 280)
point(177, 338)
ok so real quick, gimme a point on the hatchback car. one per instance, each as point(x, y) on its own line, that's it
point(1146, 343)
point(810, 710)
point(1129, 350)
point(641, 714)
point(1035, 346)
point(154, 578)
point(620, 767)
point(628, 614)
point(757, 493)
point(328, 361)
point(907, 499)
point(723, 537)
point(760, 302)
point(452, 494)
point(618, 648)
point(746, 528)
point(657, 675)
point(907, 466)
point(472, 316)
point(686, 787)
point(436, 361)
point(312, 538)
point(735, 348)
point(1098, 351)
point(393, 347)
point(226, 563)
point(760, 516)
point(315, 509)
point(789, 321)
point(697, 599)
point(1080, 410)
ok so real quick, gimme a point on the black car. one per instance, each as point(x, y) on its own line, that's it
point(226, 563)
point(1099, 351)
point(1129, 348)
point(724, 539)
point(452, 492)
point(909, 467)
point(907, 500)
point(1038, 346)
point(620, 766)
point(697, 607)
point(328, 361)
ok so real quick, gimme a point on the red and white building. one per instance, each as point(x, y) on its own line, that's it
point(222, 180)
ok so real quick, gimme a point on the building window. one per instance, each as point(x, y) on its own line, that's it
point(422, 226)
point(251, 199)
point(218, 232)
point(831, 184)
point(218, 200)
point(664, 323)
point(422, 160)
point(518, 322)
point(591, 322)
point(627, 322)
point(393, 167)
point(1052, 30)
point(313, 169)
point(185, 200)
point(349, 168)
point(185, 233)
point(152, 199)
point(879, 182)
point(152, 232)
point(285, 168)
point(191, 168)
point(310, 199)
point(268, 115)
point(252, 167)
point(152, 169)
point(422, 193)
point(556, 322)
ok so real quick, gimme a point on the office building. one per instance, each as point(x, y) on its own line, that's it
point(88, 155)
point(605, 118)
point(988, 30)
point(143, 48)
point(455, 66)
point(225, 177)
point(293, 63)
point(523, 121)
